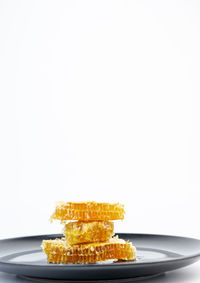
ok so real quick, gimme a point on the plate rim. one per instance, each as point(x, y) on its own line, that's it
point(105, 265)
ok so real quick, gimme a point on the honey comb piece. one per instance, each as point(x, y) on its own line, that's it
point(88, 211)
point(58, 251)
point(88, 232)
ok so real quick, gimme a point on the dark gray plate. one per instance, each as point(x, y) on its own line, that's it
point(155, 254)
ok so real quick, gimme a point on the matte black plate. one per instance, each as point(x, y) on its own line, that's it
point(155, 254)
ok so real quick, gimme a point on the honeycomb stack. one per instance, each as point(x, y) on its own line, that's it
point(89, 236)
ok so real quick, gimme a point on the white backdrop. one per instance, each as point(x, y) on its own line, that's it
point(99, 100)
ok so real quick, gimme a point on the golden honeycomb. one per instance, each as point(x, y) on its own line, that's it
point(88, 237)
point(59, 251)
point(88, 232)
point(88, 211)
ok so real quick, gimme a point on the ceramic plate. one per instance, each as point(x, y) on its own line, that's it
point(155, 254)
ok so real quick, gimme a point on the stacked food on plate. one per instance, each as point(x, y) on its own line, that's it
point(89, 236)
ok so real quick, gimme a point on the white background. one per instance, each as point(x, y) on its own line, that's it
point(100, 100)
